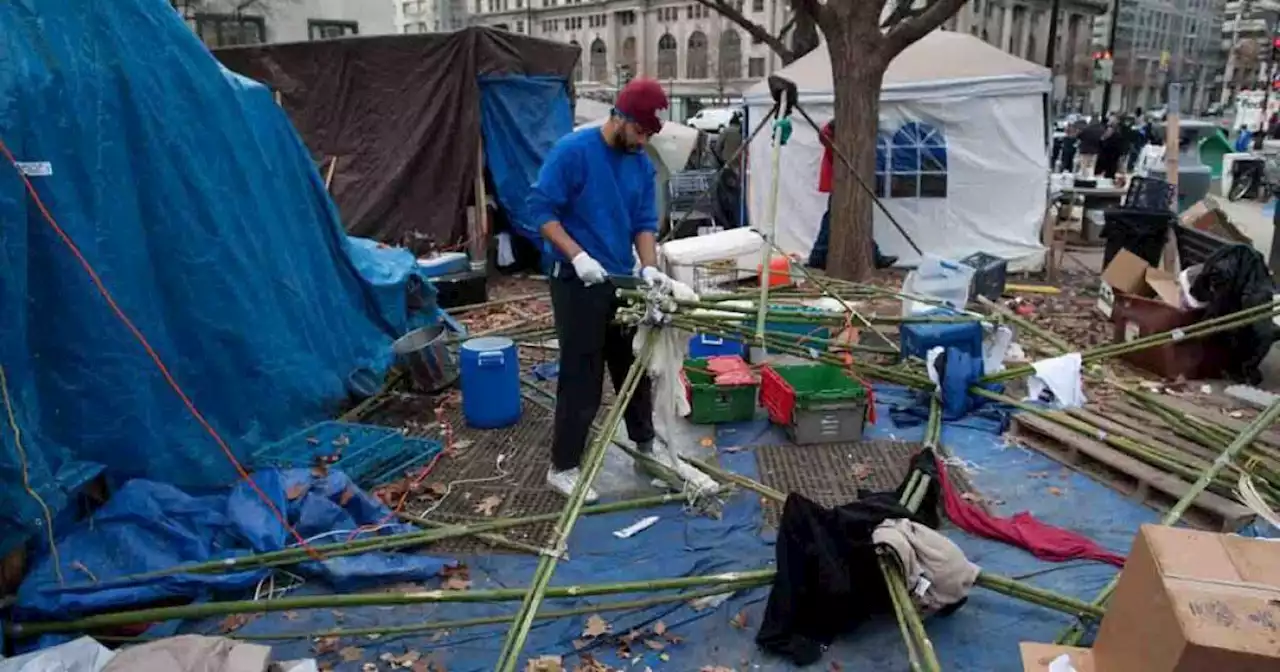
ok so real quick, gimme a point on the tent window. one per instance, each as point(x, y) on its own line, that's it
point(912, 163)
point(667, 57)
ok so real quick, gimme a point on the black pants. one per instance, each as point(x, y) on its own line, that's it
point(590, 341)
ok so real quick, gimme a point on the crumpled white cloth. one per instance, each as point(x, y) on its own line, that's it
point(84, 654)
point(1061, 376)
point(936, 571)
point(191, 653)
point(669, 400)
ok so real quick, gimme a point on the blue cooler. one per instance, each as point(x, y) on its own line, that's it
point(702, 346)
point(490, 382)
point(918, 338)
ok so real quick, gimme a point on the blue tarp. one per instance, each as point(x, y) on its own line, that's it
point(521, 118)
point(189, 193)
point(982, 636)
point(148, 527)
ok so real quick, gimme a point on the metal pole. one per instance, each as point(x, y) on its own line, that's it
point(1049, 60)
point(1111, 49)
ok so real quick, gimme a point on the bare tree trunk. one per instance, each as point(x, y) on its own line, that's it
point(857, 80)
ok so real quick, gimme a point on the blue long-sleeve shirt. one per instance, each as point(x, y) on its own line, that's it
point(602, 197)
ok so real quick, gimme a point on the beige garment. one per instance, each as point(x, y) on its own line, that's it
point(191, 653)
point(935, 569)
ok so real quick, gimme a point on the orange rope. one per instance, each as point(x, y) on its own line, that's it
point(146, 345)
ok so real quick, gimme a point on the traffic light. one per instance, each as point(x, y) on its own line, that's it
point(1102, 67)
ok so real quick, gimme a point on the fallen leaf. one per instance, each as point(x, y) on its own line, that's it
point(655, 644)
point(374, 636)
point(295, 491)
point(970, 497)
point(338, 615)
point(659, 628)
point(346, 496)
point(457, 582)
point(1056, 492)
point(861, 471)
point(402, 661)
point(630, 637)
point(489, 505)
point(596, 626)
point(325, 645)
point(437, 490)
point(739, 620)
point(351, 654)
point(234, 622)
point(291, 615)
point(545, 664)
point(707, 442)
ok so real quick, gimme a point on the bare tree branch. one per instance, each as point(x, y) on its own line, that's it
point(754, 29)
point(913, 28)
point(902, 10)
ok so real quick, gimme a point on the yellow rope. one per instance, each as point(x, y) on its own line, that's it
point(26, 478)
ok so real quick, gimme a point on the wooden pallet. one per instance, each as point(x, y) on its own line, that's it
point(1139, 480)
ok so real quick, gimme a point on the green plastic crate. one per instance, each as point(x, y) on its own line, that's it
point(820, 384)
point(710, 403)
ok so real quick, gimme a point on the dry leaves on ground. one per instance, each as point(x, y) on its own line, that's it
point(717, 668)
point(545, 664)
point(489, 505)
point(1056, 492)
point(739, 620)
point(596, 626)
point(659, 628)
point(861, 471)
point(707, 442)
point(456, 578)
point(403, 661)
point(351, 654)
point(291, 615)
point(234, 622)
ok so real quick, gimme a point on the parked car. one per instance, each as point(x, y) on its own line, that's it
point(710, 120)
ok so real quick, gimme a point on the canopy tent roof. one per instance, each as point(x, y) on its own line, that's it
point(943, 63)
point(401, 113)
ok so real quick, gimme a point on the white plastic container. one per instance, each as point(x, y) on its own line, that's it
point(939, 279)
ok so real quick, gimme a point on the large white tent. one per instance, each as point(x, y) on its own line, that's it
point(961, 160)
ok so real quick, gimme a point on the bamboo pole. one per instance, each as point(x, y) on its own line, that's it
point(1268, 417)
point(393, 630)
point(509, 657)
point(496, 302)
point(207, 609)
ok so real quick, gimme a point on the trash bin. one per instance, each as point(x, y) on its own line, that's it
point(1142, 232)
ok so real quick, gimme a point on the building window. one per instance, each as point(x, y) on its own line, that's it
point(599, 61)
point(755, 67)
point(544, 4)
point(577, 66)
point(696, 57)
point(422, 26)
point(912, 163)
point(519, 26)
point(757, 5)
point(627, 18)
point(667, 66)
point(226, 30)
point(321, 29)
point(629, 57)
point(730, 66)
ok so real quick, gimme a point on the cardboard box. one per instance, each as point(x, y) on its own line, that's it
point(1037, 657)
point(1192, 601)
point(1130, 274)
point(1206, 216)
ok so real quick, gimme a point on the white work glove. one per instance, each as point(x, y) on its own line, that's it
point(655, 278)
point(589, 271)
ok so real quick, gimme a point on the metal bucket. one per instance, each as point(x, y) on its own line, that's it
point(426, 356)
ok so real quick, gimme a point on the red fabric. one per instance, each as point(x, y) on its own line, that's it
point(1022, 530)
point(640, 101)
point(826, 171)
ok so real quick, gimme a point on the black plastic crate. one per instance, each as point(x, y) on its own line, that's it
point(992, 272)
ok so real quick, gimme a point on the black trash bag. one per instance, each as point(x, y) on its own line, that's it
point(1235, 278)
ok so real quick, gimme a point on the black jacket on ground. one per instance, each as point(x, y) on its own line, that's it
point(829, 579)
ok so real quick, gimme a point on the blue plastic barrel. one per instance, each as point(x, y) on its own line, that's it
point(490, 382)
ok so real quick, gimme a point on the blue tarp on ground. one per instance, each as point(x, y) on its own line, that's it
point(189, 193)
point(149, 527)
point(521, 118)
point(982, 636)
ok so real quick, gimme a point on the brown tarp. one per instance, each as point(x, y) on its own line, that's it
point(402, 115)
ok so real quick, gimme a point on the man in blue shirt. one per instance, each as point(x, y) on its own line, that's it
point(593, 201)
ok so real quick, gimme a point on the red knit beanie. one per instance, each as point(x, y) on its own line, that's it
point(639, 101)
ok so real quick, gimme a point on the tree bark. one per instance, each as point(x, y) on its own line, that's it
point(857, 77)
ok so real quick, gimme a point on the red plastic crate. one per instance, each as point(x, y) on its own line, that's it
point(776, 396)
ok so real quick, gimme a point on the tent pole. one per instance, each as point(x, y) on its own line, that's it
point(477, 237)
